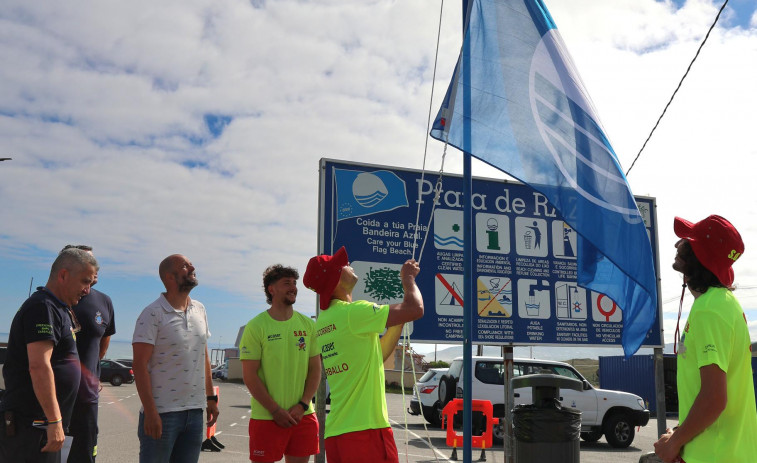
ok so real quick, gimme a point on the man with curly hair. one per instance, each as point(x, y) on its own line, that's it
point(716, 411)
point(281, 366)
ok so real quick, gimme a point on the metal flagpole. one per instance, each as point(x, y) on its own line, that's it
point(468, 295)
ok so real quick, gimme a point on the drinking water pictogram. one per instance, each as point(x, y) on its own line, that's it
point(534, 299)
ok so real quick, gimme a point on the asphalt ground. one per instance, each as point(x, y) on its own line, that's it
point(119, 412)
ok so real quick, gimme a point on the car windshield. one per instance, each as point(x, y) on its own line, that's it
point(550, 370)
point(567, 372)
point(455, 368)
point(427, 377)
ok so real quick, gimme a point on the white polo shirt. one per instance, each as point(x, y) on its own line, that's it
point(177, 365)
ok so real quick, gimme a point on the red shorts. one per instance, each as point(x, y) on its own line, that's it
point(373, 446)
point(270, 442)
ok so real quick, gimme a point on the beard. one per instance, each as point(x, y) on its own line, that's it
point(188, 284)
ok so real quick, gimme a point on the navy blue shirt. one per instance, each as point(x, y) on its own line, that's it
point(95, 315)
point(41, 318)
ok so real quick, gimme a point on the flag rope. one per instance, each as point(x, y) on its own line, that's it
point(677, 88)
point(437, 193)
point(425, 147)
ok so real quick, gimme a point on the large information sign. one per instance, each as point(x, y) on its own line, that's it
point(524, 256)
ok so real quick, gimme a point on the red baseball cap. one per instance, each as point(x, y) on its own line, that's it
point(323, 273)
point(716, 243)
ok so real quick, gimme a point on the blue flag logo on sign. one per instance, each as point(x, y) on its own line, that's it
point(517, 103)
point(360, 193)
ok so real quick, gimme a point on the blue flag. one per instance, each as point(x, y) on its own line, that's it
point(517, 102)
point(360, 193)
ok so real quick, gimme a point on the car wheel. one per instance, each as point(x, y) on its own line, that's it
point(619, 431)
point(591, 436)
point(442, 390)
point(498, 432)
point(432, 415)
point(116, 380)
point(446, 389)
point(438, 409)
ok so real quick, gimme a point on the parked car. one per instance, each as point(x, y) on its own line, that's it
point(115, 372)
point(220, 372)
point(426, 398)
point(125, 362)
point(613, 414)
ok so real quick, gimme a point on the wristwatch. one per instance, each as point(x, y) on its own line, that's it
point(303, 405)
point(213, 397)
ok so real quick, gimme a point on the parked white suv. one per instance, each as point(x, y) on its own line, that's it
point(613, 414)
point(425, 397)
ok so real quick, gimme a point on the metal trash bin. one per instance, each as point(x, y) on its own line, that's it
point(545, 430)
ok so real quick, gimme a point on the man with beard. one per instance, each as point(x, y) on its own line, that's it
point(41, 370)
point(282, 369)
point(716, 406)
point(172, 369)
point(95, 314)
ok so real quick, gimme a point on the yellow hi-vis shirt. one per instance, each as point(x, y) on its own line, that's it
point(716, 333)
point(348, 336)
point(284, 349)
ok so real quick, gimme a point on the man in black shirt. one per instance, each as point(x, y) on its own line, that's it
point(95, 314)
point(41, 370)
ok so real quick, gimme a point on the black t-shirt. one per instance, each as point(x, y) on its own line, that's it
point(41, 318)
point(95, 314)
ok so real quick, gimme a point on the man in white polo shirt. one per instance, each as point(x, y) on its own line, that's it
point(172, 369)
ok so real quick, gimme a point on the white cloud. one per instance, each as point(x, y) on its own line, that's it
point(103, 101)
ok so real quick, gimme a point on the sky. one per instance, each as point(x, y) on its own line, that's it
point(151, 128)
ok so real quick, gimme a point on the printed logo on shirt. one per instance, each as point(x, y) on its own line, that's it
point(376, 308)
point(258, 453)
point(709, 348)
point(300, 333)
point(327, 350)
point(326, 329)
point(44, 328)
point(99, 318)
point(274, 337)
point(301, 343)
point(337, 369)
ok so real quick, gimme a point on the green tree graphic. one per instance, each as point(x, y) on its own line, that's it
point(383, 284)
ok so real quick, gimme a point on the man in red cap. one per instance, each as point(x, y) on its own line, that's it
point(357, 427)
point(716, 405)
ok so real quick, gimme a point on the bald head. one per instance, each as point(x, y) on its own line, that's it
point(177, 273)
